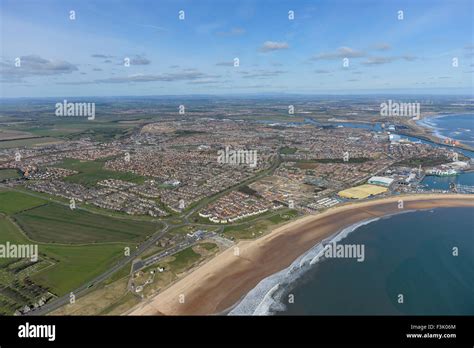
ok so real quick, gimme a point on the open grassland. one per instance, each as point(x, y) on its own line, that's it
point(9, 233)
point(183, 260)
point(72, 128)
point(60, 268)
point(90, 172)
point(76, 265)
point(255, 229)
point(53, 223)
point(102, 301)
point(112, 296)
point(8, 144)
point(14, 202)
point(10, 134)
point(8, 174)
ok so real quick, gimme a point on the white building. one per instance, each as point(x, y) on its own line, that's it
point(380, 180)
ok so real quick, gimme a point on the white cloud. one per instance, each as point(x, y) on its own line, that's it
point(269, 46)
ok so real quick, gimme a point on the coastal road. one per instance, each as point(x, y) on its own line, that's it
point(82, 290)
point(140, 264)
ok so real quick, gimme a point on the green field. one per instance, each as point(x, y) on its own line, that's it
point(283, 216)
point(8, 144)
point(76, 265)
point(251, 230)
point(8, 174)
point(54, 223)
point(14, 202)
point(60, 268)
point(208, 246)
point(9, 233)
point(184, 259)
point(74, 129)
point(288, 150)
point(90, 172)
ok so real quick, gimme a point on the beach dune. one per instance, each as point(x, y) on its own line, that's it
point(223, 281)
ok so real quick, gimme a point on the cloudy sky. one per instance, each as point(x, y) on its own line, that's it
point(126, 47)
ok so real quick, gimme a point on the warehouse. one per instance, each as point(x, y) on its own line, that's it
point(380, 180)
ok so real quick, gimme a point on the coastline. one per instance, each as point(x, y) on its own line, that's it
point(220, 284)
point(423, 130)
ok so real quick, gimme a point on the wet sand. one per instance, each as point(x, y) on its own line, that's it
point(223, 281)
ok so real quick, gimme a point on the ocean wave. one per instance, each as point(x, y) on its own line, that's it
point(266, 298)
point(441, 132)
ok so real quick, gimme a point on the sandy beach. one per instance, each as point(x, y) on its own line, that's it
point(224, 280)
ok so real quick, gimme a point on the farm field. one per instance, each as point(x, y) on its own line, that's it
point(9, 134)
point(59, 270)
point(14, 202)
point(8, 174)
point(9, 233)
point(61, 267)
point(76, 265)
point(90, 172)
point(53, 223)
point(8, 144)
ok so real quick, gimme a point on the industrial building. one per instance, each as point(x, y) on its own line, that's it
point(380, 180)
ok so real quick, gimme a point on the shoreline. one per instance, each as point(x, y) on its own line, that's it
point(251, 302)
point(423, 130)
point(221, 283)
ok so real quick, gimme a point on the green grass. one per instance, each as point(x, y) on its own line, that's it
point(8, 174)
point(13, 202)
point(51, 132)
point(53, 223)
point(251, 230)
point(26, 142)
point(284, 216)
point(90, 172)
point(77, 265)
point(9, 233)
point(241, 232)
point(102, 132)
point(208, 246)
point(288, 150)
point(72, 265)
point(184, 259)
point(122, 273)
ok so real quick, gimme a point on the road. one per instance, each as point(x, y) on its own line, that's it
point(65, 299)
point(140, 264)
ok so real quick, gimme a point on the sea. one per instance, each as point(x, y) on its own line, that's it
point(427, 257)
point(459, 127)
point(416, 262)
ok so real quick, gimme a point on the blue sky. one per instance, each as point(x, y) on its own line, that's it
point(85, 56)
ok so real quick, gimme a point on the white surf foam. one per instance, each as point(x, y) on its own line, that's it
point(266, 297)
